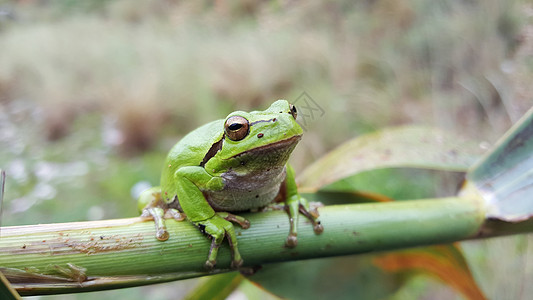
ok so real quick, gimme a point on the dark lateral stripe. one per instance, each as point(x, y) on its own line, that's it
point(212, 151)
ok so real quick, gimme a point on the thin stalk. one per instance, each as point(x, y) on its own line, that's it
point(85, 256)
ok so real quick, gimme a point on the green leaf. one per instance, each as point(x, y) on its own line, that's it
point(504, 177)
point(404, 147)
point(216, 287)
point(251, 290)
point(399, 183)
point(352, 277)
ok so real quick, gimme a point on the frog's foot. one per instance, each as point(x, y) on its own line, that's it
point(292, 240)
point(294, 206)
point(218, 227)
point(245, 224)
point(155, 209)
point(157, 214)
point(175, 214)
point(312, 215)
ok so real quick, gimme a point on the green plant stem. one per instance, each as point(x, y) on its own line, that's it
point(119, 253)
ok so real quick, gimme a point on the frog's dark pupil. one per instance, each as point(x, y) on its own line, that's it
point(294, 109)
point(235, 126)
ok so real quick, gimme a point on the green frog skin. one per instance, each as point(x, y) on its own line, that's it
point(227, 166)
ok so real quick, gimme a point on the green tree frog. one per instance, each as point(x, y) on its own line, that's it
point(226, 166)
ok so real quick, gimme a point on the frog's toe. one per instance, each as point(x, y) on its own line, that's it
point(175, 214)
point(146, 215)
point(314, 213)
point(292, 240)
point(210, 264)
point(318, 228)
point(235, 264)
point(245, 224)
point(162, 234)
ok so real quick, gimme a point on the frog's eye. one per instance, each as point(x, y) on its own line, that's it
point(236, 128)
point(294, 112)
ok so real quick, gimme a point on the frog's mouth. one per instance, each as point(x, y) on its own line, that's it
point(281, 148)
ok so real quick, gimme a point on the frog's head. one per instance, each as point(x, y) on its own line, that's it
point(261, 137)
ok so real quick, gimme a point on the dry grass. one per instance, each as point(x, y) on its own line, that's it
point(152, 63)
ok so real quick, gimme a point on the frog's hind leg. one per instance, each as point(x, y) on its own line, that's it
point(245, 224)
point(294, 205)
point(157, 214)
point(311, 214)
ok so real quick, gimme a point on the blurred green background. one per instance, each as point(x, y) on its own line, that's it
point(94, 93)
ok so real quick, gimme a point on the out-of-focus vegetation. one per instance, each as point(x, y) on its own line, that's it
point(94, 93)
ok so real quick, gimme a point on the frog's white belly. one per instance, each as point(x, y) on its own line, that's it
point(245, 192)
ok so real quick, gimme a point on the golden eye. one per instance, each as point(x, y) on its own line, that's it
point(294, 113)
point(236, 128)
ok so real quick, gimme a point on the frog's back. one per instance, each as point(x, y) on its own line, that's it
point(191, 150)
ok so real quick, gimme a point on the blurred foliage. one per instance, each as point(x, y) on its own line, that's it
point(94, 93)
point(401, 147)
point(217, 287)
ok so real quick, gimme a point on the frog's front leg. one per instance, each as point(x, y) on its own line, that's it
point(153, 207)
point(190, 181)
point(295, 204)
